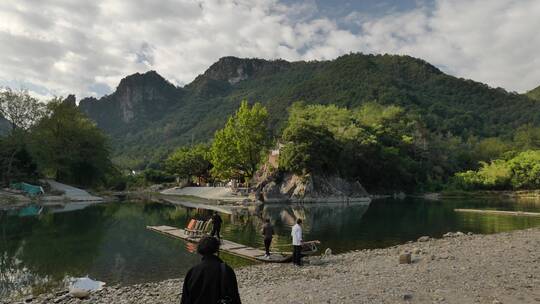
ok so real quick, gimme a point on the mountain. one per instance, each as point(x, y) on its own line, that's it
point(534, 94)
point(138, 100)
point(147, 116)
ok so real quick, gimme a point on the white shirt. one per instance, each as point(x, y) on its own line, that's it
point(296, 234)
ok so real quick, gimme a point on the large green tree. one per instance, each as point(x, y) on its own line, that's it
point(381, 146)
point(309, 149)
point(520, 171)
point(20, 108)
point(69, 147)
point(237, 149)
point(188, 162)
point(22, 111)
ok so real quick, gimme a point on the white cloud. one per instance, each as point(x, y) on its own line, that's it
point(494, 41)
point(87, 47)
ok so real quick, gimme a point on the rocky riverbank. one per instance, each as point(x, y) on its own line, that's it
point(500, 268)
point(309, 188)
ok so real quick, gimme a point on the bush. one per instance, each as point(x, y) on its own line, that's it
point(520, 172)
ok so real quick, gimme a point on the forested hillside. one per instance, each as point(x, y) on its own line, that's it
point(534, 94)
point(147, 117)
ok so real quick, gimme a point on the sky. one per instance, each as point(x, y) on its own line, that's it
point(59, 47)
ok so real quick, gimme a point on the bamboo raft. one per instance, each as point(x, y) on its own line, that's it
point(498, 212)
point(227, 246)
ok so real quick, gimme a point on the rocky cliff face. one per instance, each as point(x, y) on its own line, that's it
point(233, 70)
point(139, 97)
point(288, 187)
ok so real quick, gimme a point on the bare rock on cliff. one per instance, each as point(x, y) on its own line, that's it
point(311, 188)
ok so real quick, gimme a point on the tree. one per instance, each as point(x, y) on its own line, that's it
point(237, 149)
point(69, 147)
point(308, 149)
point(16, 162)
point(522, 171)
point(527, 137)
point(20, 109)
point(525, 168)
point(188, 162)
point(490, 148)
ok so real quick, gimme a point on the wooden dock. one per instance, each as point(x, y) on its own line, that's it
point(498, 212)
point(227, 246)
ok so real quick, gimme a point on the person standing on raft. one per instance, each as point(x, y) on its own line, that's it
point(297, 241)
point(216, 225)
point(268, 232)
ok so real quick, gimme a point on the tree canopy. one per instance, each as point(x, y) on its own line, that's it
point(375, 144)
point(69, 147)
point(521, 171)
point(20, 109)
point(188, 162)
point(238, 148)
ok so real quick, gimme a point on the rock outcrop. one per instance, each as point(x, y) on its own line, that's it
point(288, 187)
point(233, 70)
point(141, 98)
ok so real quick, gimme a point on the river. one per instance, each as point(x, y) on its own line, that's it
point(41, 248)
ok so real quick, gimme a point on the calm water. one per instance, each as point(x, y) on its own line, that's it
point(41, 248)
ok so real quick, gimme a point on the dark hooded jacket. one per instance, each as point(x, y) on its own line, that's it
point(202, 284)
point(216, 219)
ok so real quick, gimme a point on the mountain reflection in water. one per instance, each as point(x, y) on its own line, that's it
point(40, 247)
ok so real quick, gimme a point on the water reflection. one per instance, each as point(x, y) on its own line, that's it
point(41, 247)
point(108, 242)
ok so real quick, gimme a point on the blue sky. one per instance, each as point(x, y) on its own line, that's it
point(58, 47)
point(340, 8)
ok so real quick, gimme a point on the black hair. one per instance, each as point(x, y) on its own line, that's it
point(299, 221)
point(208, 245)
point(267, 220)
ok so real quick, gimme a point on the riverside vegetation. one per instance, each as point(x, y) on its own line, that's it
point(395, 123)
point(54, 140)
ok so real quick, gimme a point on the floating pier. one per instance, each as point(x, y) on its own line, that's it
point(498, 212)
point(227, 246)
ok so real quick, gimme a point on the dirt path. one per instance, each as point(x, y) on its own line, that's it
point(212, 193)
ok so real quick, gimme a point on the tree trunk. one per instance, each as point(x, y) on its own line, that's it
point(7, 177)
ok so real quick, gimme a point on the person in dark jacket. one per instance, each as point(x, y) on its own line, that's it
point(212, 280)
point(216, 225)
point(268, 233)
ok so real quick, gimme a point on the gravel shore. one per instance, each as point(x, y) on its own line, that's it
point(499, 268)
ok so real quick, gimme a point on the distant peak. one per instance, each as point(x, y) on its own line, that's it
point(70, 100)
point(233, 69)
point(142, 79)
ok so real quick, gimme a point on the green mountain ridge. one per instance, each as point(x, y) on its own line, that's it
point(534, 93)
point(147, 116)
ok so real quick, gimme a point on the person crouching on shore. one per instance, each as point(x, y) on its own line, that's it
point(211, 281)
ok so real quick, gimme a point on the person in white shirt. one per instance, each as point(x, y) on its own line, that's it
point(297, 241)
